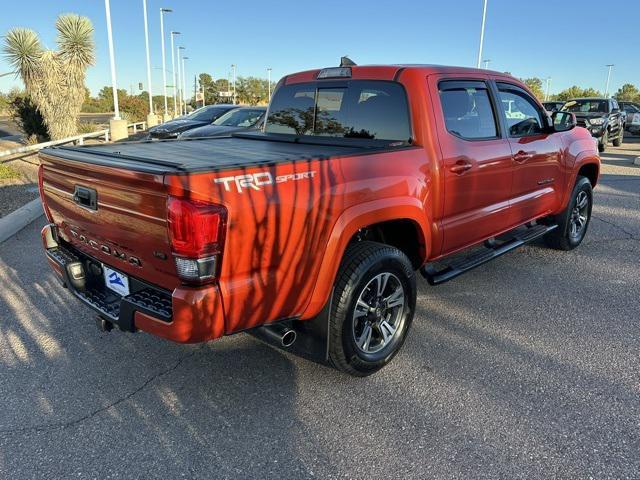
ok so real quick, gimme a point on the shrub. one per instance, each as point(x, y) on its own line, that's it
point(27, 117)
point(89, 127)
point(133, 109)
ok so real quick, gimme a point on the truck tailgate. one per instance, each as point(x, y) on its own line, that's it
point(125, 227)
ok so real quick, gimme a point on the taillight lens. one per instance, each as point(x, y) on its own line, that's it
point(41, 190)
point(196, 233)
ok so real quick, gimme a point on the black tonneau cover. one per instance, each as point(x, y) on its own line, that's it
point(200, 154)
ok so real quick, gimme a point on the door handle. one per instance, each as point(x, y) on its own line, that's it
point(522, 156)
point(460, 167)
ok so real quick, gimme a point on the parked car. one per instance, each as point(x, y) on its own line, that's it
point(233, 121)
point(309, 234)
point(601, 116)
point(552, 106)
point(197, 118)
point(632, 110)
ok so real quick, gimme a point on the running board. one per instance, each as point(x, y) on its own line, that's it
point(491, 250)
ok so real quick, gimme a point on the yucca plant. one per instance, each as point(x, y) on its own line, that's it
point(54, 79)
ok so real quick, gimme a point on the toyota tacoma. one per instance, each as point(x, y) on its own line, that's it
point(308, 234)
point(601, 116)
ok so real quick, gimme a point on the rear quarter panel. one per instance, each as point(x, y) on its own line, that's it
point(278, 232)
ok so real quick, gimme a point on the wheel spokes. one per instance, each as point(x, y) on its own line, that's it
point(387, 330)
point(364, 339)
point(362, 308)
point(382, 280)
point(396, 299)
point(581, 201)
point(574, 229)
point(583, 220)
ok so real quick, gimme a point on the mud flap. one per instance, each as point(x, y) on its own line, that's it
point(312, 336)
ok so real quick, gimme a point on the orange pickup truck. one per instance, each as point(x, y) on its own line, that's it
point(309, 233)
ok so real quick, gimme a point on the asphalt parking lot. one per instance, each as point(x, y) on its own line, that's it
point(528, 367)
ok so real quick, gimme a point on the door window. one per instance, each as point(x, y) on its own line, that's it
point(521, 112)
point(467, 110)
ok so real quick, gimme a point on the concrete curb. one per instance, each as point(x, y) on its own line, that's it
point(16, 221)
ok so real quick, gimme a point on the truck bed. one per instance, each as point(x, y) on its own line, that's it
point(200, 154)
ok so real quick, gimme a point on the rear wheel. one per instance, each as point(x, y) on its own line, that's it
point(372, 308)
point(574, 221)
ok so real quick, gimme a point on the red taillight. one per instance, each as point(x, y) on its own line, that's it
point(196, 233)
point(42, 197)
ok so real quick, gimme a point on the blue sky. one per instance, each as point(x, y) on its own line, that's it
point(568, 40)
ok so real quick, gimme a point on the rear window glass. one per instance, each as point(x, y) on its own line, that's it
point(467, 111)
point(207, 114)
point(373, 110)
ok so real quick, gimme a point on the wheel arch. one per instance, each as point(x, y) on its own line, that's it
point(406, 214)
point(591, 170)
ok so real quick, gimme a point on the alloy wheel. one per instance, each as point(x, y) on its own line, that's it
point(579, 216)
point(378, 314)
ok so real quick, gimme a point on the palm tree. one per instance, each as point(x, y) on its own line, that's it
point(54, 79)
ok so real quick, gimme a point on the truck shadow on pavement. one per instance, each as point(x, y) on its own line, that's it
point(224, 407)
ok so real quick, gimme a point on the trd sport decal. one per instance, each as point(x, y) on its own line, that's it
point(255, 181)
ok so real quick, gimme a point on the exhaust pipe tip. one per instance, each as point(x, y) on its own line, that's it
point(288, 338)
point(278, 334)
point(103, 324)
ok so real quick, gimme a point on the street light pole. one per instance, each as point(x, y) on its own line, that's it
point(112, 60)
point(484, 17)
point(173, 73)
point(486, 63)
point(269, 82)
point(146, 44)
point(606, 91)
point(180, 76)
point(546, 95)
point(164, 64)
point(233, 66)
point(184, 85)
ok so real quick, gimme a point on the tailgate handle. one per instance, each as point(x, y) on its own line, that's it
point(85, 197)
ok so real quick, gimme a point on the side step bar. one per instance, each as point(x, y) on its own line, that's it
point(493, 249)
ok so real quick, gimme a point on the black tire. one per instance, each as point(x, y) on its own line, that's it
point(364, 266)
point(563, 237)
point(604, 140)
point(619, 139)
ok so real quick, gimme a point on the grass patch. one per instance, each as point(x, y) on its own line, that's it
point(89, 127)
point(8, 173)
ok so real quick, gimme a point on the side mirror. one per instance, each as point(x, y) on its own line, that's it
point(615, 110)
point(563, 121)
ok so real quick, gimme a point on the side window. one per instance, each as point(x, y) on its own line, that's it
point(523, 116)
point(467, 110)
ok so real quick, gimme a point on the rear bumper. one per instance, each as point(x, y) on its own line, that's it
point(186, 315)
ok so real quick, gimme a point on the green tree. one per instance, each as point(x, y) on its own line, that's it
point(535, 85)
point(133, 108)
point(207, 85)
point(576, 92)
point(54, 80)
point(252, 90)
point(591, 92)
point(105, 96)
point(628, 93)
